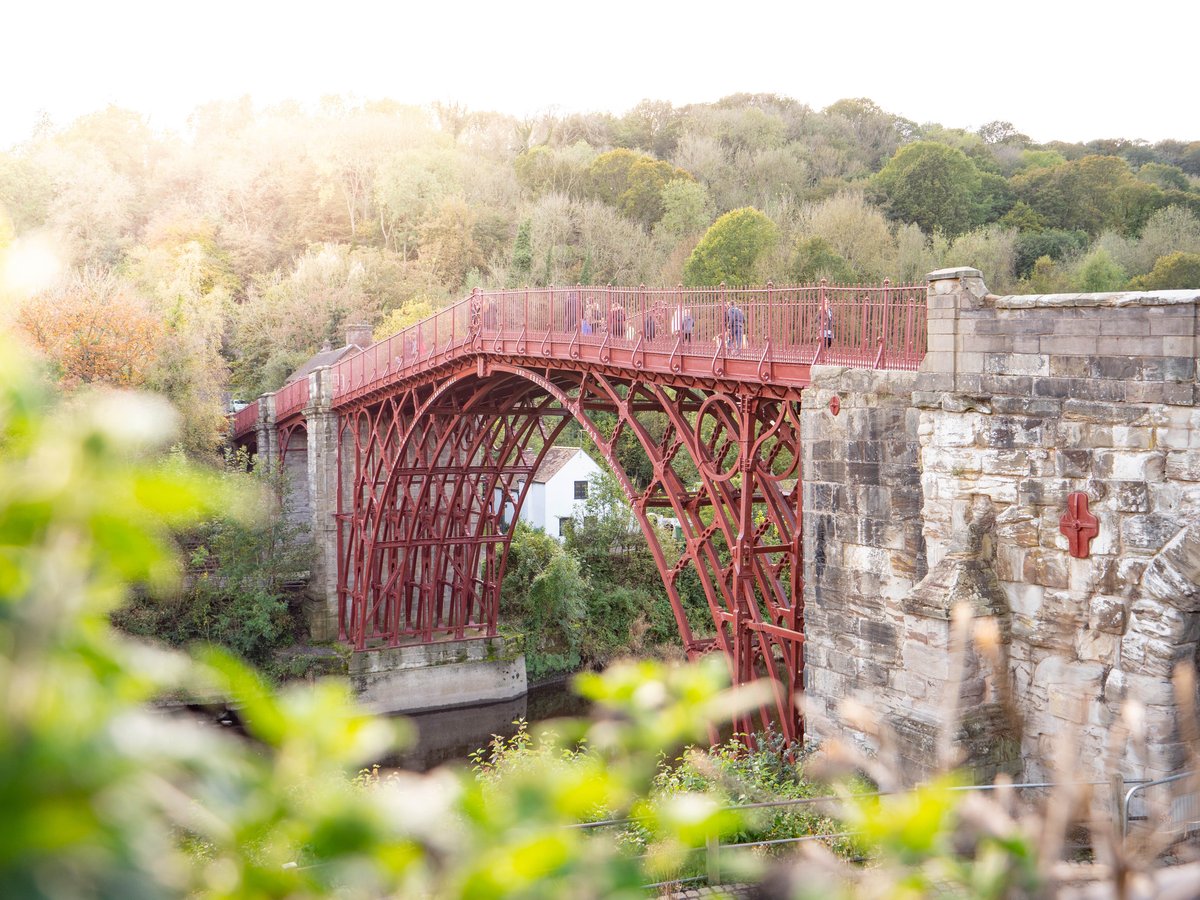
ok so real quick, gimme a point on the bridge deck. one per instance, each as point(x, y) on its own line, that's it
point(768, 335)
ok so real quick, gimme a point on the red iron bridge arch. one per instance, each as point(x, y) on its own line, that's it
point(431, 428)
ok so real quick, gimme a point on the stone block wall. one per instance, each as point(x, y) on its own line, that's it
point(864, 547)
point(1021, 401)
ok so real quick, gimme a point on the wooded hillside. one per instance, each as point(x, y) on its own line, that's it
point(216, 261)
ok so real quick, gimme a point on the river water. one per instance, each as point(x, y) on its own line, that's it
point(452, 735)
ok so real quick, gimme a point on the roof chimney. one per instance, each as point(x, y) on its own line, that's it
point(359, 335)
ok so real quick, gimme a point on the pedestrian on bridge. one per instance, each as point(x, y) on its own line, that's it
point(616, 320)
point(649, 327)
point(735, 326)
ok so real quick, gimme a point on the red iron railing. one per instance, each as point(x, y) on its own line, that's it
point(877, 326)
point(291, 398)
point(245, 419)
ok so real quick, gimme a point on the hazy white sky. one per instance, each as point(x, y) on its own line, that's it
point(1057, 70)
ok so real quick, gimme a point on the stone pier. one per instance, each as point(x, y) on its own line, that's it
point(951, 485)
point(439, 675)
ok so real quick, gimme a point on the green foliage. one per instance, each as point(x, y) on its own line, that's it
point(105, 799)
point(1176, 271)
point(1053, 243)
point(687, 208)
point(730, 250)
point(542, 170)
point(238, 568)
point(521, 266)
point(935, 186)
point(632, 182)
point(1023, 218)
point(991, 249)
point(1041, 159)
point(1163, 176)
point(1045, 277)
point(1089, 194)
point(815, 259)
point(401, 317)
point(543, 598)
point(1099, 272)
point(856, 231)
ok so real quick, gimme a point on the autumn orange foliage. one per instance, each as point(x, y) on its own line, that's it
point(94, 329)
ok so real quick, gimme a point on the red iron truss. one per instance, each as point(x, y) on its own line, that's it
point(435, 425)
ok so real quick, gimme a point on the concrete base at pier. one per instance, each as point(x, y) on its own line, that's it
point(441, 675)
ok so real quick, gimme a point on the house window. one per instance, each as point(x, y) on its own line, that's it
point(581, 490)
point(563, 526)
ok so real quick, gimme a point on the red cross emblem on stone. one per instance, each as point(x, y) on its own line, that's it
point(1079, 525)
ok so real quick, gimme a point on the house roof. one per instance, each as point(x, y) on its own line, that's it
point(323, 358)
point(555, 459)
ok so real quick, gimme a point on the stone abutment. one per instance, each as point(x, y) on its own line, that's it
point(948, 488)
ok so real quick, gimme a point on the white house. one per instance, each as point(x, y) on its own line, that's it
point(559, 489)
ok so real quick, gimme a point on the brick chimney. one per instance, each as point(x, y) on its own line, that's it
point(359, 335)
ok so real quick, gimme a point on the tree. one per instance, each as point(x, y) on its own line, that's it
point(409, 185)
point(448, 247)
point(877, 132)
point(619, 251)
point(731, 248)
point(401, 317)
point(1023, 218)
point(25, 192)
point(1053, 243)
point(1090, 194)
point(522, 255)
point(1176, 271)
point(543, 594)
point(855, 230)
point(94, 329)
point(632, 182)
point(1164, 176)
point(1045, 277)
point(687, 208)
point(1099, 272)
point(541, 170)
point(652, 125)
point(815, 259)
point(291, 314)
point(1170, 230)
point(1041, 159)
point(990, 249)
point(931, 184)
point(999, 132)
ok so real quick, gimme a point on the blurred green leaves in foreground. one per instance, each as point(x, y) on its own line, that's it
point(105, 797)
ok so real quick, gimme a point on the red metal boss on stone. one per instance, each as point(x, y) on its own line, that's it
point(1079, 525)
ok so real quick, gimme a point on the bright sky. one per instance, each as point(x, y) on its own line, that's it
point(1057, 70)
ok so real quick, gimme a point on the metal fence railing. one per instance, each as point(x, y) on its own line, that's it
point(245, 419)
point(715, 848)
point(865, 326)
point(1171, 812)
point(291, 398)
